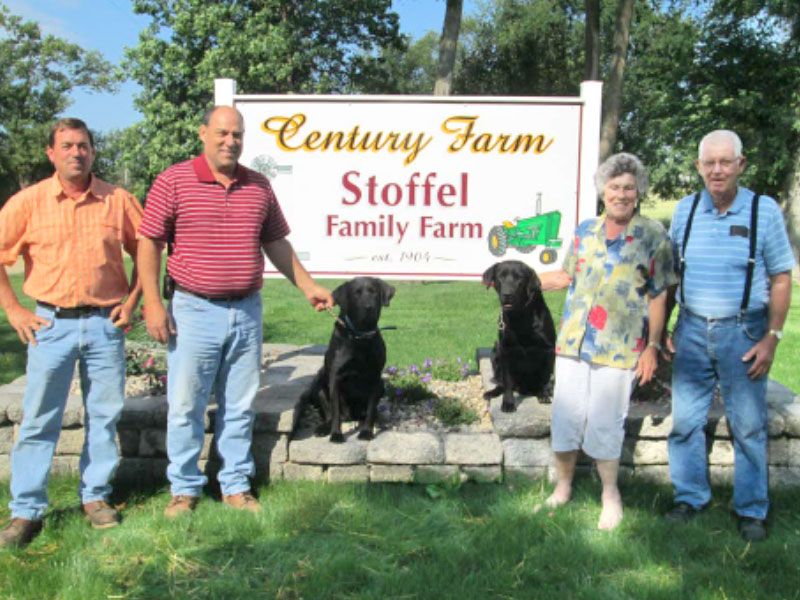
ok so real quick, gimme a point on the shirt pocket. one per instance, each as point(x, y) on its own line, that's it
point(102, 244)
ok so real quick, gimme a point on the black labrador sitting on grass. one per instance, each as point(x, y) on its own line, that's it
point(524, 354)
point(349, 384)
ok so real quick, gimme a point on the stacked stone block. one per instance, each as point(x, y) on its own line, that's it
point(517, 448)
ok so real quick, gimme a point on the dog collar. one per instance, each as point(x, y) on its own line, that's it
point(355, 334)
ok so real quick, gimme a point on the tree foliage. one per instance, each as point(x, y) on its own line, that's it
point(267, 46)
point(39, 71)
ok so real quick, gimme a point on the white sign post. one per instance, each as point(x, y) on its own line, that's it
point(413, 187)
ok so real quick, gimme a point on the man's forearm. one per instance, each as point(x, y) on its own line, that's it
point(8, 299)
point(780, 297)
point(134, 289)
point(148, 263)
point(281, 254)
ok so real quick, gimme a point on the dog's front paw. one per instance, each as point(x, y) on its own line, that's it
point(365, 434)
point(508, 407)
point(337, 438)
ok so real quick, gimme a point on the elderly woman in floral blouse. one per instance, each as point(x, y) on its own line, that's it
point(617, 270)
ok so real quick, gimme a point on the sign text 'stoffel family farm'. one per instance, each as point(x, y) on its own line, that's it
point(424, 187)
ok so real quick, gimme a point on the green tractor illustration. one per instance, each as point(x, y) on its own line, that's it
point(526, 234)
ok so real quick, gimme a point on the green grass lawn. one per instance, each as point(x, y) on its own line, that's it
point(437, 320)
point(397, 541)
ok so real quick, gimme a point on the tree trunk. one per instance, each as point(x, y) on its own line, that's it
point(791, 209)
point(612, 92)
point(447, 47)
point(592, 41)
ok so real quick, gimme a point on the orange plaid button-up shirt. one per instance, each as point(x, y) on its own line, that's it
point(72, 248)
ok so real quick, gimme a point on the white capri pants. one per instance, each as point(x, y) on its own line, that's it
point(590, 403)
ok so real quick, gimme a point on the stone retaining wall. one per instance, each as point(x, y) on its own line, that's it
point(518, 447)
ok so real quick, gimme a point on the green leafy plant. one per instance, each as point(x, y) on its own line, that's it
point(451, 412)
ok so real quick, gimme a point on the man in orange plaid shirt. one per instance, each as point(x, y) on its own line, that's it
point(70, 230)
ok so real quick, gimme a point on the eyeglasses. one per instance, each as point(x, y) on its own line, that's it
point(724, 163)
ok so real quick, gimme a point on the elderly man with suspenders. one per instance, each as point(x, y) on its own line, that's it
point(734, 262)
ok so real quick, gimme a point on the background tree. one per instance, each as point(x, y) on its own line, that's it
point(612, 91)
point(523, 47)
point(39, 71)
point(447, 47)
point(591, 71)
point(267, 46)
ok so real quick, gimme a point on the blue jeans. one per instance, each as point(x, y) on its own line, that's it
point(710, 352)
point(217, 347)
point(98, 348)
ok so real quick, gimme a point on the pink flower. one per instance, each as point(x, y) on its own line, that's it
point(598, 317)
point(148, 364)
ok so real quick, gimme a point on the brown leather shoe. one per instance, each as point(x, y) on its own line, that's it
point(19, 533)
point(101, 515)
point(243, 501)
point(180, 505)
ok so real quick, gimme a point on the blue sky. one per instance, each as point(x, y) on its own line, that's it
point(110, 25)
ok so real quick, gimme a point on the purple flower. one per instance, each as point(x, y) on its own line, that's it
point(427, 378)
point(428, 363)
point(413, 369)
point(392, 370)
point(398, 392)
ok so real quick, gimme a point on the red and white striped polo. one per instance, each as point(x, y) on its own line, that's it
point(217, 233)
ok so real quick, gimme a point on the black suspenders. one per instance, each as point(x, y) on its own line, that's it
point(686, 230)
point(751, 261)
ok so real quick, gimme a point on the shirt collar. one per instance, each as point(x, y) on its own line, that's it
point(204, 174)
point(95, 190)
point(598, 227)
point(707, 204)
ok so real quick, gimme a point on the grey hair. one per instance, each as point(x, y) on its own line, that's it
point(620, 164)
point(720, 136)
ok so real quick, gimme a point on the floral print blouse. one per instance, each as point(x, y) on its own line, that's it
point(605, 314)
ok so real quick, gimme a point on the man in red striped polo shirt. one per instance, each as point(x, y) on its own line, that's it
point(218, 215)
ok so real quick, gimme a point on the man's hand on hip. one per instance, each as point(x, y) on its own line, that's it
point(26, 323)
point(159, 323)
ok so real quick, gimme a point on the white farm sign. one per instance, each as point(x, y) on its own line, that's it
point(424, 187)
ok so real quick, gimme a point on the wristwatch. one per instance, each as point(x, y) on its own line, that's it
point(777, 333)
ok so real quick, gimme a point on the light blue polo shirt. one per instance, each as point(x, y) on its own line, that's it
point(718, 249)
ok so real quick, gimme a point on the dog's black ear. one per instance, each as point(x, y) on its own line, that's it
point(488, 276)
point(387, 292)
point(340, 296)
point(534, 284)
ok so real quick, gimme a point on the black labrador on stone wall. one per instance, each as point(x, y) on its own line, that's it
point(349, 384)
point(524, 354)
